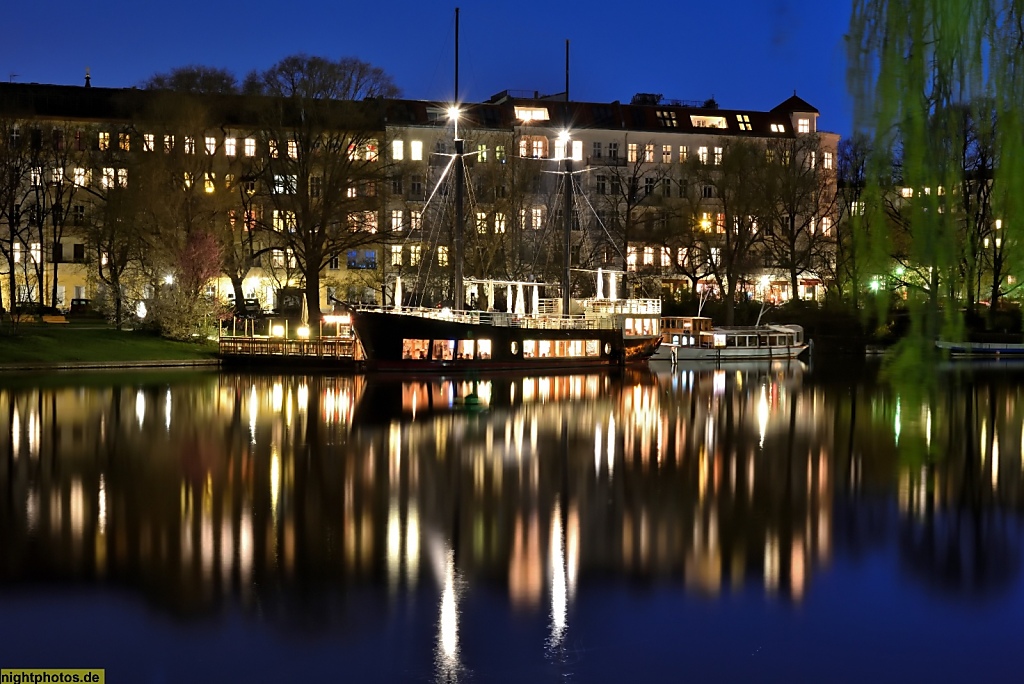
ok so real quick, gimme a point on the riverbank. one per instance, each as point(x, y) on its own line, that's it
point(72, 346)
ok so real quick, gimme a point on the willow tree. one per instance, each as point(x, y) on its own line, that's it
point(915, 67)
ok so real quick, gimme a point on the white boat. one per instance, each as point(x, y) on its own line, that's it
point(694, 338)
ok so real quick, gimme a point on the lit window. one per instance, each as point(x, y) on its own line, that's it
point(499, 222)
point(293, 149)
point(718, 156)
point(230, 147)
point(631, 153)
point(190, 145)
point(778, 128)
point(720, 223)
point(80, 176)
point(907, 192)
point(666, 257)
point(107, 179)
point(536, 218)
point(682, 153)
point(168, 143)
point(284, 184)
point(666, 154)
point(416, 150)
point(396, 255)
point(250, 147)
point(283, 220)
point(707, 121)
point(148, 142)
point(631, 258)
point(211, 144)
point(188, 179)
point(667, 118)
point(826, 161)
point(744, 121)
point(649, 152)
point(716, 256)
point(648, 256)
point(104, 141)
point(208, 182)
point(813, 159)
point(415, 220)
point(442, 255)
point(414, 254)
point(398, 150)
point(272, 149)
point(35, 252)
point(826, 225)
point(481, 222)
point(396, 220)
point(371, 151)
point(857, 208)
point(538, 148)
point(803, 125)
point(531, 113)
point(499, 153)
point(481, 153)
point(123, 141)
point(702, 155)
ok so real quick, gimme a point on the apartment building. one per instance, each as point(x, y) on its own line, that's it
point(648, 176)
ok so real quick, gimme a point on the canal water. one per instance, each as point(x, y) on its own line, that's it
point(760, 522)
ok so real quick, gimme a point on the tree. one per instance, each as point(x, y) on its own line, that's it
point(731, 232)
point(320, 122)
point(915, 64)
point(15, 170)
point(798, 188)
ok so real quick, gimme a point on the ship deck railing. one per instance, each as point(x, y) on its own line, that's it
point(593, 320)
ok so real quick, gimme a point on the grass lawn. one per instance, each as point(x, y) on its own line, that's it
point(56, 343)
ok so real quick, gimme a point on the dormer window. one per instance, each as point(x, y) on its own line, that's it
point(667, 118)
point(803, 125)
point(778, 128)
point(707, 121)
point(532, 113)
point(744, 121)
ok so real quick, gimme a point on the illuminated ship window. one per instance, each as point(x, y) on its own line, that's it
point(483, 349)
point(415, 349)
point(443, 350)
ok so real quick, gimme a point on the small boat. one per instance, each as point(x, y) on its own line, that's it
point(981, 349)
point(693, 338)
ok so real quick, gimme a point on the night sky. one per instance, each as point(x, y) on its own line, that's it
point(745, 53)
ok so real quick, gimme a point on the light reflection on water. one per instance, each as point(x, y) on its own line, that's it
point(500, 502)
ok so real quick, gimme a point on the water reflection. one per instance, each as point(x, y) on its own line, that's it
point(274, 492)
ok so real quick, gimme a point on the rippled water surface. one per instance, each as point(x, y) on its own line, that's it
point(753, 522)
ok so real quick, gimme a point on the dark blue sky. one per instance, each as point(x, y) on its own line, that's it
point(746, 53)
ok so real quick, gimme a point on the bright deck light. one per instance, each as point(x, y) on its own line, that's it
point(277, 331)
point(303, 331)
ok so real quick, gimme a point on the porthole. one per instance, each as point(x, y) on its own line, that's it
point(607, 348)
point(515, 348)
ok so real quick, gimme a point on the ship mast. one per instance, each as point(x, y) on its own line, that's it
point(567, 208)
point(460, 180)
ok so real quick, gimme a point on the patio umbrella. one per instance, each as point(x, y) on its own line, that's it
point(398, 293)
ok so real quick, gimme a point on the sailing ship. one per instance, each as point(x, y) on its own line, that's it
point(569, 333)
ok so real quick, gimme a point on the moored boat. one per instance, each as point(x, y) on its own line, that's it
point(981, 349)
point(692, 338)
point(598, 332)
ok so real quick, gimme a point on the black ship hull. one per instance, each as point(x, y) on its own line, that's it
point(385, 337)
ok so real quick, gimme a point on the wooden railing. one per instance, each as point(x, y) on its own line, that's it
point(324, 348)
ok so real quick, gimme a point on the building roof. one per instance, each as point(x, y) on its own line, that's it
point(796, 104)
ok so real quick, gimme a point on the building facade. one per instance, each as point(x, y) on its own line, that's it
point(98, 183)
